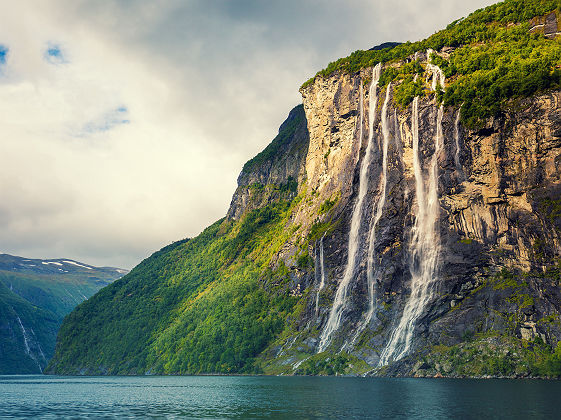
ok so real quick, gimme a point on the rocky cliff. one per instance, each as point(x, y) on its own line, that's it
point(497, 232)
point(405, 221)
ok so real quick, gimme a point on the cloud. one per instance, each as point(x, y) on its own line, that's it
point(136, 136)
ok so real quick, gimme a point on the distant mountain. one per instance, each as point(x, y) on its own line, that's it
point(35, 295)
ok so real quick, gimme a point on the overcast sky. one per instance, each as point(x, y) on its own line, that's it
point(124, 124)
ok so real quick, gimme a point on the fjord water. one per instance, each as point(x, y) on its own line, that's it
point(258, 397)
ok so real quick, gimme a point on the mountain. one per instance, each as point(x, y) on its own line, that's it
point(406, 221)
point(35, 295)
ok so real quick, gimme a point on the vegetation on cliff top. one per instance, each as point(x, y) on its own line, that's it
point(495, 58)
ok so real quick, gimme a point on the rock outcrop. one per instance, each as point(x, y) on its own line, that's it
point(276, 172)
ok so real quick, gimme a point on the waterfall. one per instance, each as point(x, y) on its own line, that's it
point(377, 216)
point(322, 273)
point(435, 72)
point(457, 141)
point(425, 241)
point(26, 339)
point(339, 303)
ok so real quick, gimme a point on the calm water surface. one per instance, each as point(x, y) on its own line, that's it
point(49, 397)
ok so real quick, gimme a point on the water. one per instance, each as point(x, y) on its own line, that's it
point(457, 143)
point(370, 271)
point(321, 274)
point(26, 341)
point(425, 241)
point(339, 303)
point(44, 397)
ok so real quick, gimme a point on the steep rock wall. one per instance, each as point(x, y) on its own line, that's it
point(276, 172)
point(499, 190)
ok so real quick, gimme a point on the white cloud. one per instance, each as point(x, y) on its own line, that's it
point(130, 133)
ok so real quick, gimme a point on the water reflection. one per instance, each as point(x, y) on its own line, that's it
point(274, 397)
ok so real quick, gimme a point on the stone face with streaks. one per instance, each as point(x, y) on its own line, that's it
point(499, 210)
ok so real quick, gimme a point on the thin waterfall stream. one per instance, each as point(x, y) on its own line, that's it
point(321, 273)
point(457, 143)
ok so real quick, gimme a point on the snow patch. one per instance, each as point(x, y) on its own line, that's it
point(76, 264)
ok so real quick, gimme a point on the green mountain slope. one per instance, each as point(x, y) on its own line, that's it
point(208, 304)
point(35, 295)
point(27, 334)
point(253, 291)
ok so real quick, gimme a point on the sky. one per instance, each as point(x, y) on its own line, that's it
point(124, 124)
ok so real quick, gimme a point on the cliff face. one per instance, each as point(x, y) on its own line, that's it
point(498, 209)
point(274, 174)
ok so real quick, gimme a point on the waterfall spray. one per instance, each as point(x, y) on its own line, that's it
point(340, 301)
point(424, 246)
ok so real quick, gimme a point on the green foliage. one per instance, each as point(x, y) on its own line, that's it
point(319, 229)
point(56, 293)
point(551, 207)
point(517, 64)
point(40, 301)
point(497, 356)
point(504, 279)
point(550, 365)
point(324, 364)
point(327, 205)
point(408, 90)
point(495, 61)
point(393, 74)
point(304, 260)
point(196, 306)
point(44, 324)
point(291, 185)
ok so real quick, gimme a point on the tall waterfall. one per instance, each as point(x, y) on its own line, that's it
point(425, 241)
point(340, 301)
point(377, 216)
point(321, 273)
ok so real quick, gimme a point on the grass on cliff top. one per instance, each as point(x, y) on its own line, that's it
point(495, 59)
